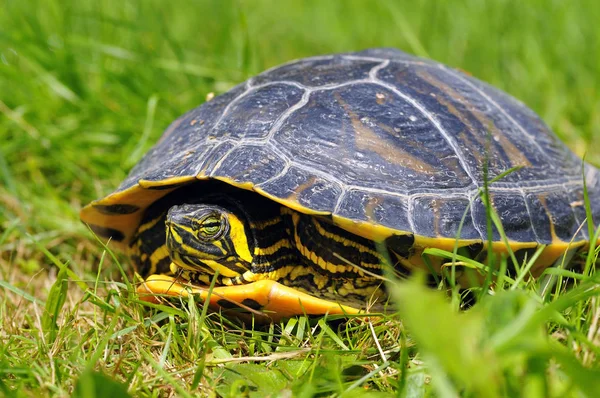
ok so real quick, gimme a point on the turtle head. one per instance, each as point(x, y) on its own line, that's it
point(205, 238)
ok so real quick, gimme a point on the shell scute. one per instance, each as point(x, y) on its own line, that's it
point(376, 208)
point(540, 217)
point(253, 115)
point(563, 224)
point(250, 163)
point(577, 204)
point(513, 214)
point(378, 138)
point(302, 187)
point(435, 216)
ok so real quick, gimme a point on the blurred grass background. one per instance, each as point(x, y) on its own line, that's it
point(86, 87)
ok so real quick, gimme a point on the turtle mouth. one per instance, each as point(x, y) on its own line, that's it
point(181, 262)
point(191, 274)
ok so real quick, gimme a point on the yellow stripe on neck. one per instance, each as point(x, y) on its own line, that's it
point(237, 234)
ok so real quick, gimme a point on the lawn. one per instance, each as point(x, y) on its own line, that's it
point(86, 88)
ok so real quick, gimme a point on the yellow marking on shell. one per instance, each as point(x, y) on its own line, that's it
point(301, 188)
point(148, 184)
point(368, 140)
point(555, 238)
point(243, 185)
point(374, 232)
point(238, 237)
point(516, 156)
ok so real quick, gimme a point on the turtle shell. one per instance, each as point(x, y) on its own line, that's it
point(390, 146)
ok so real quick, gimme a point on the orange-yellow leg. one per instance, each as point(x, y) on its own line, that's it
point(274, 299)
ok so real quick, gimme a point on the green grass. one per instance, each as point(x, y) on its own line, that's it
point(86, 87)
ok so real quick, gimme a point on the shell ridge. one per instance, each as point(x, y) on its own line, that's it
point(338, 204)
point(282, 118)
point(225, 155)
point(349, 56)
point(580, 225)
point(283, 171)
point(473, 195)
point(287, 114)
point(205, 155)
point(310, 170)
point(533, 228)
point(411, 213)
point(377, 68)
point(248, 89)
point(532, 185)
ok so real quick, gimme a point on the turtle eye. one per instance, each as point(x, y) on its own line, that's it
point(211, 227)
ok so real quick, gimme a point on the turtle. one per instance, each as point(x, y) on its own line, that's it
point(292, 192)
